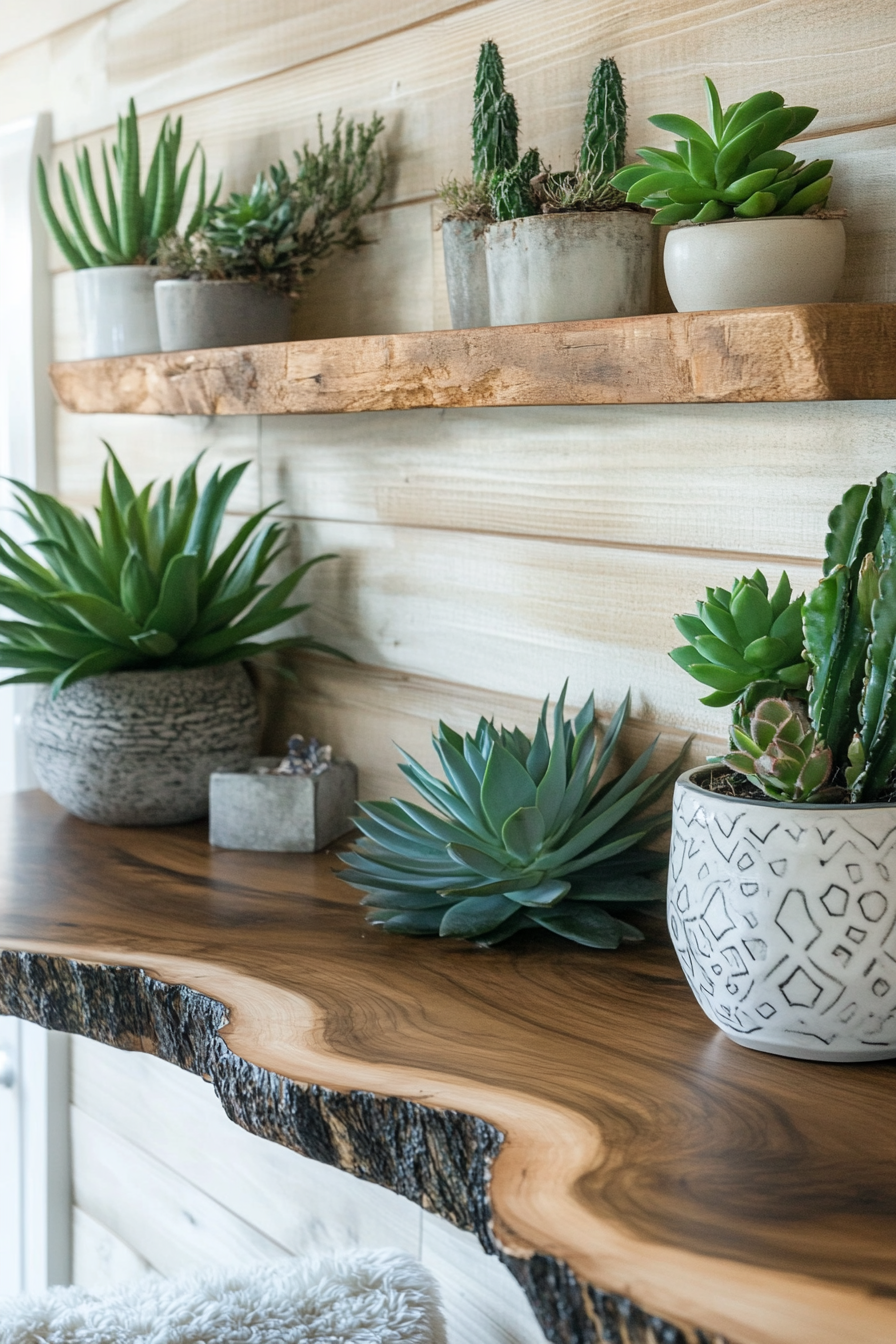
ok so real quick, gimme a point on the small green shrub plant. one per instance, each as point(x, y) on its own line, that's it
point(129, 230)
point(143, 588)
point(734, 168)
point(812, 680)
point(522, 833)
point(280, 231)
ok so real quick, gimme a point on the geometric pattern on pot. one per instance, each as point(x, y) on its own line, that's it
point(784, 920)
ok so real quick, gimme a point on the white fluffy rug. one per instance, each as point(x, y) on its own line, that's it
point(369, 1297)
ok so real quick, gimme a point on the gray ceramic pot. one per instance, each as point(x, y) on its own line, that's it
point(203, 314)
point(137, 748)
point(463, 246)
point(117, 310)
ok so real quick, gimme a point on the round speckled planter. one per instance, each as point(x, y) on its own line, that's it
point(783, 916)
point(137, 748)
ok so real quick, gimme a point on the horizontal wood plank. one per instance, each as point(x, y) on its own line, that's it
point(100, 1260)
point(518, 616)
point(816, 352)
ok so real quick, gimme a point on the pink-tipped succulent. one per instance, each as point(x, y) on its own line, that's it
point(782, 754)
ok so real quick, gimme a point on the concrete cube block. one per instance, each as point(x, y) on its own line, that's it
point(291, 813)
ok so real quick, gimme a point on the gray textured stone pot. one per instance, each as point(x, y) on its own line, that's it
point(293, 813)
point(569, 267)
point(117, 311)
point(137, 748)
point(202, 314)
point(463, 246)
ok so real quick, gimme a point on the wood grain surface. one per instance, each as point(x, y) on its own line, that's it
point(752, 1195)
point(814, 352)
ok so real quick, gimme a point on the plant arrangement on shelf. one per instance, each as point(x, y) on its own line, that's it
point(524, 833)
point(140, 631)
point(812, 685)
point(111, 248)
point(736, 168)
point(263, 244)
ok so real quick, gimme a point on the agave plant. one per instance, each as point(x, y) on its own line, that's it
point(135, 220)
point(523, 833)
point(279, 232)
point(782, 755)
point(143, 590)
point(736, 167)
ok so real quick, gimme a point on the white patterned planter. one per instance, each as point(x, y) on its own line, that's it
point(784, 920)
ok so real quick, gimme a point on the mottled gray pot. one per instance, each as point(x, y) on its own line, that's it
point(569, 267)
point(203, 314)
point(137, 748)
point(463, 245)
point(783, 916)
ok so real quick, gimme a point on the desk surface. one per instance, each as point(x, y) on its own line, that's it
point(745, 1194)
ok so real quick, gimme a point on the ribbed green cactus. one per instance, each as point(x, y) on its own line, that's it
point(734, 168)
point(850, 632)
point(495, 118)
point(510, 190)
point(135, 220)
point(603, 140)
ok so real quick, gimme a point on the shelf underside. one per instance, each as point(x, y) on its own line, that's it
point(814, 352)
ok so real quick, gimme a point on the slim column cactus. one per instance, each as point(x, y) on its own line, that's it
point(603, 140)
point(495, 118)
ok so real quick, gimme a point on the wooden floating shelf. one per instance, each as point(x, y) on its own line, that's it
point(813, 352)
point(574, 1108)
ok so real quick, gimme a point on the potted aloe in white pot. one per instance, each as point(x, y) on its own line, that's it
point(750, 225)
point(567, 245)
point(113, 251)
point(233, 280)
point(782, 875)
point(139, 633)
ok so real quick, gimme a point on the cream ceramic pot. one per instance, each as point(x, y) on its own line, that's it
point(784, 920)
point(754, 263)
point(117, 310)
point(568, 267)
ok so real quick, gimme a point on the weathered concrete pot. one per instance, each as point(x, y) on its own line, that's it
point(202, 314)
point(117, 311)
point(783, 916)
point(754, 263)
point(562, 268)
point(291, 813)
point(137, 748)
point(463, 246)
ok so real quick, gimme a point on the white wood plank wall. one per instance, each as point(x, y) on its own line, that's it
point(484, 556)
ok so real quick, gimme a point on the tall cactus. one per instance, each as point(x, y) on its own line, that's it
point(603, 142)
point(850, 634)
point(495, 118)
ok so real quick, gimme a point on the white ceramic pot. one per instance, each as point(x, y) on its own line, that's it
point(784, 920)
point(754, 263)
point(138, 748)
point(463, 246)
point(117, 311)
point(203, 314)
point(568, 267)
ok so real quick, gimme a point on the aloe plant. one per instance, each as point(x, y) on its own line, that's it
point(734, 168)
point(523, 833)
point(143, 589)
point(834, 654)
point(135, 220)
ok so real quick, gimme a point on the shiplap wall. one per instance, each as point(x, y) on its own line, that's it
point(484, 556)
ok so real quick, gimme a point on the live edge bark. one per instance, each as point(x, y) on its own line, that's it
point(440, 1160)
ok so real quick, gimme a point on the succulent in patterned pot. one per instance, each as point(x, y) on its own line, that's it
point(523, 834)
point(782, 874)
point(138, 632)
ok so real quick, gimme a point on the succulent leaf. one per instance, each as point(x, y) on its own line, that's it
point(562, 837)
point(782, 754)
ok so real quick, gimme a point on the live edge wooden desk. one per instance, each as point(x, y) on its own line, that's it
point(574, 1108)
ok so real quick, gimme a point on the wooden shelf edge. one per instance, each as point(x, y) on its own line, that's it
point(439, 1159)
point(812, 352)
